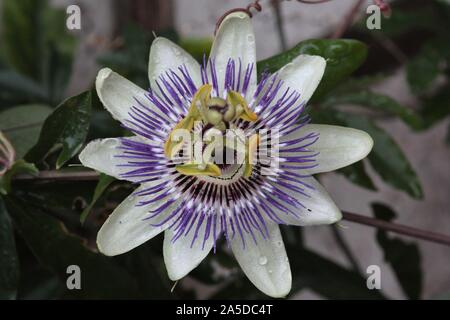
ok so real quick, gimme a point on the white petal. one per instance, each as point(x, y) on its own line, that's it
point(125, 228)
point(318, 207)
point(338, 147)
point(167, 56)
point(235, 39)
point(118, 94)
point(101, 155)
point(266, 263)
point(180, 258)
point(303, 74)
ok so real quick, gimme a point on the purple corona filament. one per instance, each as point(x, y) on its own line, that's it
point(208, 209)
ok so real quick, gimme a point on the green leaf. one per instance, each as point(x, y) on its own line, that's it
point(9, 265)
point(21, 87)
point(103, 183)
point(327, 278)
point(55, 248)
point(423, 69)
point(22, 35)
point(37, 43)
point(20, 166)
point(404, 257)
point(56, 32)
point(57, 73)
point(343, 57)
point(131, 61)
point(436, 108)
point(104, 126)
point(197, 47)
point(68, 126)
point(40, 284)
point(147, 267)
point(22, 125)
point(386, 157)
point(403, 21)
point(357, 174)
point(376, 102)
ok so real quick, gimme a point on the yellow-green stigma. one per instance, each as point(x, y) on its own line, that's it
point(213, 113)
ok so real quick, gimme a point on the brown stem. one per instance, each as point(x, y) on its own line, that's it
point(398, 228)
point(59, 176)
point(313, 1)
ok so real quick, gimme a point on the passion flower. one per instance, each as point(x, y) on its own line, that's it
point(195, 202)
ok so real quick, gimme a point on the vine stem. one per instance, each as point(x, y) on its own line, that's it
point(50, 176)
point(255, 6)
point(59, 176)
point(397, 228)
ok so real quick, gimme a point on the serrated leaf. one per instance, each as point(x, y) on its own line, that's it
point(55, 248)
point(343, 57)
point(67, 125)
point(404, 257)
point(22, 125)
point(386, 157)
point(357, 174)
point(103, 183)
point(9, 266)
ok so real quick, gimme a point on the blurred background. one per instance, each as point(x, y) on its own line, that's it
point(395, 87)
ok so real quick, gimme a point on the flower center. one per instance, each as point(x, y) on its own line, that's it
point(201, 143)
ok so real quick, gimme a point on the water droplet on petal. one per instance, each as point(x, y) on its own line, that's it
point(251, 38)
point(110, 142)
point(262, 260)
point(176, 51)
